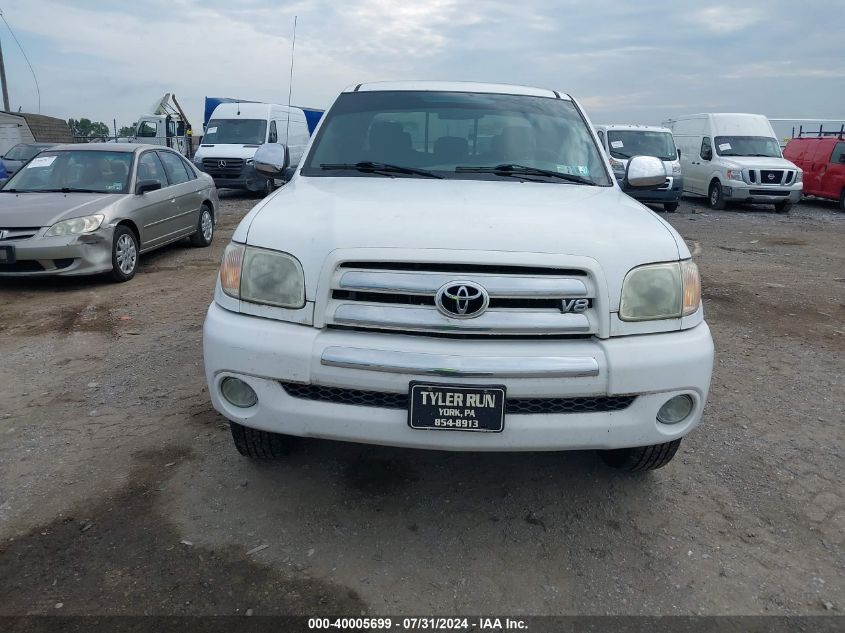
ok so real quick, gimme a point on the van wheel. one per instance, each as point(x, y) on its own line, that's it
point(783, 207)
point(716, 199)
point(670, 207)
point(124, 254)
point(205, 228)
point(257, 444)
point(641, 458)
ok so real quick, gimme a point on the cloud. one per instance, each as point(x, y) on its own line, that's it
point(726, 19)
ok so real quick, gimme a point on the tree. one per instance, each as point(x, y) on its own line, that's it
point(85, 128)
point(127, 130)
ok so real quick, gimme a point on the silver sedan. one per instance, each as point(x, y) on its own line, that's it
point(90, 209)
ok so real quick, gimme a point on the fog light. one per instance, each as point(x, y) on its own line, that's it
point(238, 393)
point(675, 409)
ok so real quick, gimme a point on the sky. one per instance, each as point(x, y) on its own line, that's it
point(638, 61)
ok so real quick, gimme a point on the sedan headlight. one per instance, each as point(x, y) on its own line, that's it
point(660, 291)
point(260, 275)
point(75, 226)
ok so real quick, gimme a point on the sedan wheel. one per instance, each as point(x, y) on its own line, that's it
point(205, 228)
point(124, 254)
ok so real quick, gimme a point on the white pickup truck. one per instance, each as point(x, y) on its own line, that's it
point(453, 266)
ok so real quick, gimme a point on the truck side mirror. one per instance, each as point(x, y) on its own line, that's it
point(271, 160)
point(645, 172)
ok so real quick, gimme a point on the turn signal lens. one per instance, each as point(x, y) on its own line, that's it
point(230, 270)
point(692, 286)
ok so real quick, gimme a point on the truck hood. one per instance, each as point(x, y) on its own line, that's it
point(312, 216)
point(225, 150)
point(757, 162)
point(18, 210)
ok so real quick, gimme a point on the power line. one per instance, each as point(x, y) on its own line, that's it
point(31, 69)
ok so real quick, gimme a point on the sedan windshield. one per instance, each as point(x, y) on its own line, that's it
point(628, 143)
point(74, 171)
point(457, 135)
point(236, 132)
point(23, 152)
point(747, 146)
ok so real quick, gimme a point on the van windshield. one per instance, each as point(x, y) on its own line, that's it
point(628, 143)
point(747, 146)
point(457, 135)
point(236, 131)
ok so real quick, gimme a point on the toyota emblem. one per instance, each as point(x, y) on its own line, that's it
point(462, 300)
point(221, 164)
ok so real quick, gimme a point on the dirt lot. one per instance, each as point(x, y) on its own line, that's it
point(121, 492)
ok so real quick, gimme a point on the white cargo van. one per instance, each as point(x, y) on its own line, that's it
point(236, 130)
point(735, 158)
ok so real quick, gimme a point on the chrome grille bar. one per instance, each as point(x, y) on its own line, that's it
point(424, 283)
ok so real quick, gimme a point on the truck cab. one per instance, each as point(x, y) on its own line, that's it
point(164, 129)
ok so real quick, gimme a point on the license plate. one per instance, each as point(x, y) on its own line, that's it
point(7, 254)
point(453, 408)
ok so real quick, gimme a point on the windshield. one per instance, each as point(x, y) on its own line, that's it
point(747, 146)
point(236, 131)
point(628, 143)
point(98, 172)
point(441, 131)
point(22, 152)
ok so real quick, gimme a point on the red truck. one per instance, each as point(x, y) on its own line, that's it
point(822, 157)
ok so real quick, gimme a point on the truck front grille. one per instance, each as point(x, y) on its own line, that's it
point(513, 406)
point(401, 296)
point(223, 167)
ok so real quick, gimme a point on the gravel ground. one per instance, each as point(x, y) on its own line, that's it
point(121, 492)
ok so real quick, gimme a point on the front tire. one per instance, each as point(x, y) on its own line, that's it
point(670, 207)
point(124, 254)
point(641, 458)
point(715, 197)
point(205, 228)
point(783, 207)
point(257, 444)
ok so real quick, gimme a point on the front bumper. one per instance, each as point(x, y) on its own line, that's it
point(734, 191)
point(248, 179)
point(265, 353)
point(671, 192)
point(65, 255)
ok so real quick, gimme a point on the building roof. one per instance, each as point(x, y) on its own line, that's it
point(46, 129)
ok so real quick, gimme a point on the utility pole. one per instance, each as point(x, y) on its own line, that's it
point(3, 80)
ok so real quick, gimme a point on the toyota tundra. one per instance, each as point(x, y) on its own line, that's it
point(454, 266)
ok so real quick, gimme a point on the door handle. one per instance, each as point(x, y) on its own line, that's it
point(173, 201)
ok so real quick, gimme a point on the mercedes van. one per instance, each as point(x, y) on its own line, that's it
point(735, 158)
point(452, 266)
point(621, 142)
point(236, 130)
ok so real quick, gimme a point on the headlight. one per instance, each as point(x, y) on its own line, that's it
point(676, 168)
point(259, 275)
point(735, 174)
point(799, 177)
point(618, 167)
point(660, 291)
point(75, 226)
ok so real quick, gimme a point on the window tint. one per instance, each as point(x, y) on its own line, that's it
point(441, 131)
point(176, 172)
point(838, 155)
point(146, 129)
point(706, 150)
point(149, 168)
point(273, 137)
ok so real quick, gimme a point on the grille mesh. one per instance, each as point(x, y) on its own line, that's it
point(519, 406)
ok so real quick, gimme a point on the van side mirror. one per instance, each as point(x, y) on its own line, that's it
point(271, 160)
point(144, 186)
point(707, 154)
point(679, 154)
point(645, 172)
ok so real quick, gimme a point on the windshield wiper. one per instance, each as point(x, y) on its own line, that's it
point(369, 166)
point(522, 170)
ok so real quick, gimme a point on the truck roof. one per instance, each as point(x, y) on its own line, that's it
point(457, 86)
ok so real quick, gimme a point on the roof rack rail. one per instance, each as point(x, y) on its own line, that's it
point(820, 133)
